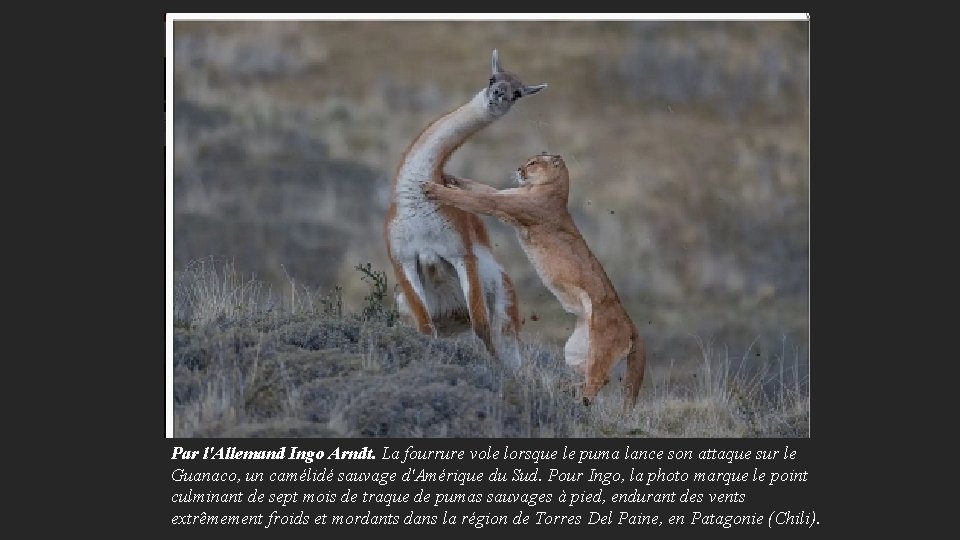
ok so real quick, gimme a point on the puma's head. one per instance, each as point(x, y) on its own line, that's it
point(505, 88)
point(543, 169)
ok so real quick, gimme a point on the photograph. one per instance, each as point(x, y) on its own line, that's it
point(440, 227)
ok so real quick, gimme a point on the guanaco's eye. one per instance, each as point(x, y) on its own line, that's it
point(492, 80)
point(516, 94)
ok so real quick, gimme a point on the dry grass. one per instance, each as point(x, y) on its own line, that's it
point(252, 367)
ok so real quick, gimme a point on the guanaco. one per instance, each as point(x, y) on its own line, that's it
point(537, 209)
point(441, 256)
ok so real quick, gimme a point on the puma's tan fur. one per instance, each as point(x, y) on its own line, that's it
point(604, 333)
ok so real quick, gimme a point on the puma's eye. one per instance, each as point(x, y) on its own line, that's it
point(516, 94)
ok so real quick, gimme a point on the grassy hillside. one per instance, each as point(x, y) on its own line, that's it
point(687, 144)
point(250, 364)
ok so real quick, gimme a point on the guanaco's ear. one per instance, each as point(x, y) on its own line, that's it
point(495, 63)
point(530, 90)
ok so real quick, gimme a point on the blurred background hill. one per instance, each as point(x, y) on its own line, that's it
point(687, 144)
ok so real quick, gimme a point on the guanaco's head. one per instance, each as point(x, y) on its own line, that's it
point(543, 170)
point(505, 88)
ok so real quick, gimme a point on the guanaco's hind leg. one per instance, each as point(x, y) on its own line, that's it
point(476, 304)
point(509, 343)
point(513, 308)
point(416, 298)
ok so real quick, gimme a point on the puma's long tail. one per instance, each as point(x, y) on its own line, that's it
point(636, 366)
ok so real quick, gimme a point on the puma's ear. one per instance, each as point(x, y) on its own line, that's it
point(495, 63)
point(530, 90)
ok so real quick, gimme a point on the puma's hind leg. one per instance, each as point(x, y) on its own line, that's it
point(606, 349)
point(595, 381)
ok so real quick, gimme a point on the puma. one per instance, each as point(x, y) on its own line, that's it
point(537, 209)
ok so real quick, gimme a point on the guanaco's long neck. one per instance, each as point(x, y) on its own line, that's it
point(429, 153)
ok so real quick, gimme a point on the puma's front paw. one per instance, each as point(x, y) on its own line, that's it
point(430, 190)
point(450, 181)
